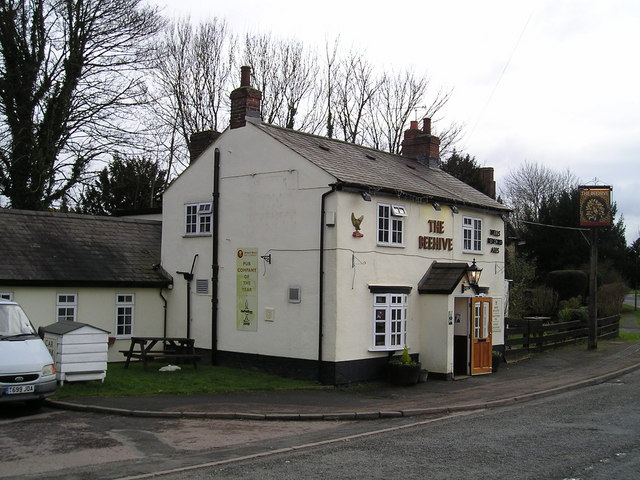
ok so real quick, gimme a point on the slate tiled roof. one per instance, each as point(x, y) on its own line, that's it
point(45, 248)
point(377, 170)
point(442, 278)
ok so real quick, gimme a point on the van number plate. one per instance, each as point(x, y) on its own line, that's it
point(19, 389)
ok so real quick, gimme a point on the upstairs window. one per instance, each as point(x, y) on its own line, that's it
point(472, 234)
point(391, 224)
point(198, 218)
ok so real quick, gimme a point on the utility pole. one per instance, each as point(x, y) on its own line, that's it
point(592, 325)
point(595, 212)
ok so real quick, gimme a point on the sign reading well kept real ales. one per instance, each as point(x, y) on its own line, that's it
point(247, 289)
point(595, 206)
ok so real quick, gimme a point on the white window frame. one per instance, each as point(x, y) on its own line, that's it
point(198, 218)
point(6, 296)
point(390, 225)
point(66, 306)
point(125, 314)
point(389, 331)
point(472, 234)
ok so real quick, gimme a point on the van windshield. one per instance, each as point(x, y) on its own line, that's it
point(13, 322)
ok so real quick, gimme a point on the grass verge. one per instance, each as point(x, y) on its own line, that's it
point(631, 337)
point(135, 381)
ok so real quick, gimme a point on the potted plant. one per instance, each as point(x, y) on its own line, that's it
point(403, 370)
point(496, 358)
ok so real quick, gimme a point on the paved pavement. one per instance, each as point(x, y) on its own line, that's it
point(540, 375)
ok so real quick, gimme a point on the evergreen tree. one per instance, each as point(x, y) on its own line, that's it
point(127, 184)
point(465, 168)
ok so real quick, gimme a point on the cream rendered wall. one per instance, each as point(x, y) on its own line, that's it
point(361, 262)
point(270, 201)
point(96, 307)
point(194, 185)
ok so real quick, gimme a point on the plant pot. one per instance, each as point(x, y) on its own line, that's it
point(495, 363)
point(399, 374)
point(422, 378)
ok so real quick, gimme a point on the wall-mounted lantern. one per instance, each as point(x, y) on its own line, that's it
point(473, 277)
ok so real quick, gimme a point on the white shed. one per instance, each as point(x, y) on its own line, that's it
point(78, 350)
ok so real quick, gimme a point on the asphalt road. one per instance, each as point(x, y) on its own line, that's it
point(590, 433)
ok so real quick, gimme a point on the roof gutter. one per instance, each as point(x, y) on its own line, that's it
point(416, 197)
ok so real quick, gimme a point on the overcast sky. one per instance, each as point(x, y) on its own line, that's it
point(549, 81)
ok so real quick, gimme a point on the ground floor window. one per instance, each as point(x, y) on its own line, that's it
point(125, 304)
point(389, 321)
point(66, 307)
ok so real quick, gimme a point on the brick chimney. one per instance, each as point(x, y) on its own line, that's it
point(420, 144)
point(199, 141)
point(245, 101)
point(486, 173)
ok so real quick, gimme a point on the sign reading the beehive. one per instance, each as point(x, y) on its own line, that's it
point(595, 206)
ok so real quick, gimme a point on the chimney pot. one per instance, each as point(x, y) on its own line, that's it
point(413, 125)
point(426, 126)
point(245, 76)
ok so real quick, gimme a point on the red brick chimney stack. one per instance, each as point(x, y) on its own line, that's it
point(420, 144)
point(245, 101)
point(199, 141)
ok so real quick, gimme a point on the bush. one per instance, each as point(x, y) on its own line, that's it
point(568, 283)
point(521, 271)
point(544, 301)
point(572, 309)
point(611, 298)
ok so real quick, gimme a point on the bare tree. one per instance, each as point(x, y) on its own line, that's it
point(340, 96)
point(286, 73)
point(192, 77)
point(526, 189)
point(355, 87)
point(399, 95)
point(70, 71)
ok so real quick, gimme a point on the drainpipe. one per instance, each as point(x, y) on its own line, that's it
point(321, 284)
point(214, 257)
point(164, 314)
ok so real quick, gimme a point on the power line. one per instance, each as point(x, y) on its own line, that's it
point(506, 66)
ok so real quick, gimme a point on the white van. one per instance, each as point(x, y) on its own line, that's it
point(27, 372)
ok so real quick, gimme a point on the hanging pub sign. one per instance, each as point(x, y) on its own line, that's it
point(595, 206)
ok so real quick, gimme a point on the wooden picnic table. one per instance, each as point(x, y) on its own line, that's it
point(179, 349)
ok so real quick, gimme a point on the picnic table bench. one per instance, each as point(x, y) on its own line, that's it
point(178, 349)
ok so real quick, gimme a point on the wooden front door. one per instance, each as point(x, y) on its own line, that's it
point(481, 344)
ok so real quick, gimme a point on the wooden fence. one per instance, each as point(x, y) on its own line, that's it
point(523, 336)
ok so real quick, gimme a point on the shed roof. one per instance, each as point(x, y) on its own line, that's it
point(66, 326)
point(51, 248)
point(376, 170)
